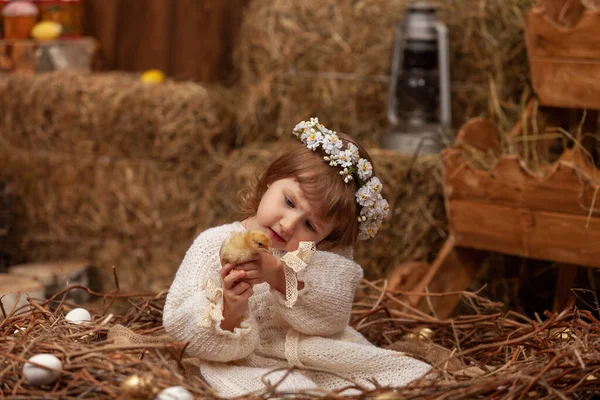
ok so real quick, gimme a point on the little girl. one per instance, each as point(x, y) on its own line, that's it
point(250, 323)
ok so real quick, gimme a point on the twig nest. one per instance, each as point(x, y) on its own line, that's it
point(389, 396)
point(78, 316)
point(47, 371)
point(20, 9)
point(175, 393)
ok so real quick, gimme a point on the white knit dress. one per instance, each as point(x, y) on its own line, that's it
point(307, 329)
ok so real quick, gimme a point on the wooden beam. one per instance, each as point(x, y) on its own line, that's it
point(570, 83)
point(524, 232)
point(569, 187)
point(453, 270)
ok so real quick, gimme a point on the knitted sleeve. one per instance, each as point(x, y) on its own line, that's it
point(324, 304)
point(194, 307)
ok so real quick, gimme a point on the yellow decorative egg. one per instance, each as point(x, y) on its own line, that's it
point(46, 30)
point(153, 76)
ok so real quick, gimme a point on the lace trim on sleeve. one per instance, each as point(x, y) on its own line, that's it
point(294, 262)
point(213, 314)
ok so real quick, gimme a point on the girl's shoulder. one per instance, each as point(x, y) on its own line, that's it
point(218, 233)
point(335, 257)
point(223, 229)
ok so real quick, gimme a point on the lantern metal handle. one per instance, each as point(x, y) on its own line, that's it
point(395, 74)
point(444, 75)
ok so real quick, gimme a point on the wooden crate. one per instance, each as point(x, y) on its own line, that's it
point(564, 60)
point(513, 210)
point(509, 209)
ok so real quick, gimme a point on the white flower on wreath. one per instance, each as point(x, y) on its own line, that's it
point(368, 230)
point(314, 139)
point(332, 143)
point(299, 128)
point(365, 196)
point(353, 153)
point(375, 184)
point(345, 158)
point(365, 169)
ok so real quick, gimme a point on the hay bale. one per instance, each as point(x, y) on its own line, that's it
point(87, 197)
point(113, 115)
point(415, 228)
point(269, 111)
point(106, 210)
point(318, 36)
point(107, 168)
point(294, 58)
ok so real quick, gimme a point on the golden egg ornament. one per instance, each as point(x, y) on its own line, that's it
point(425, 333)
point(140, 386)
point(153, 76)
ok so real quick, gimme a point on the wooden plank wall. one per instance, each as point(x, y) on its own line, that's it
point(187, 39)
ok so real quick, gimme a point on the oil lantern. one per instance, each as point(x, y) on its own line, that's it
point(419, 113)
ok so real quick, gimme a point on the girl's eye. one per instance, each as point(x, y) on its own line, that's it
point(310, 226)
point(289, 202)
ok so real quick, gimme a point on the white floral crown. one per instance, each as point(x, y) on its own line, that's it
point(374, 208)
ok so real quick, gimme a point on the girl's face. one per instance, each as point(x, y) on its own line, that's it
point(285, 214)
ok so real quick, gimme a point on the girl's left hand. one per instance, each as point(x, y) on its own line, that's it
point(266, 268)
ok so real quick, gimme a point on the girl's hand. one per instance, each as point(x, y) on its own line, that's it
point(236, 293)
point(266, 268)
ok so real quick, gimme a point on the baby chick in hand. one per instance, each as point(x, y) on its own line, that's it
point(242, 247)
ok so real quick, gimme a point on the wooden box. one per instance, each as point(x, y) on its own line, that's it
point(513, 210)
point(564, 58)
point(551, 214)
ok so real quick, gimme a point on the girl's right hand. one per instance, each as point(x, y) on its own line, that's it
point(236, 294)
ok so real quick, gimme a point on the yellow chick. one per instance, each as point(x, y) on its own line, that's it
point(242, 247)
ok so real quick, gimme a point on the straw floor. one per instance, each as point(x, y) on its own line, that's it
point(488, 354)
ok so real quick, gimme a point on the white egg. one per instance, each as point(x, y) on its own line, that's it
point(78, 316)
point(40, 376)
point(175, 393)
